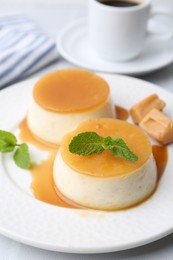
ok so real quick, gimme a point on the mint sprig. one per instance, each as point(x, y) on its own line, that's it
point(8, 143)
point(88, 143)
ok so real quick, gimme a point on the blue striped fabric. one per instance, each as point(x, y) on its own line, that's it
point(24, 48)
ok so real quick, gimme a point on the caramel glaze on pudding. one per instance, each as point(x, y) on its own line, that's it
point(102, 181)
point(63, 99)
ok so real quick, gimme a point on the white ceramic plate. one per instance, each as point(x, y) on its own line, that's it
point(35, 223)
point(73, 45)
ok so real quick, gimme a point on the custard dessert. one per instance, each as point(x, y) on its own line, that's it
point(63, 99)
point(103, 181)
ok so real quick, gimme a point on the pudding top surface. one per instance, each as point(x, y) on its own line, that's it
point(70, 90)
point(105, 164)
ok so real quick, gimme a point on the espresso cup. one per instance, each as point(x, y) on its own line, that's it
point(118, 33)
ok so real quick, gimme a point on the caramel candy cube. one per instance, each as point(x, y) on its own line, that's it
point(158, 126)
point(140, 109)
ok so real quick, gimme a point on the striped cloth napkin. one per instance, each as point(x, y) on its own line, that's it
point(24, 48)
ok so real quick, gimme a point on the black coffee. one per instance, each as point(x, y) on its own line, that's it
point(119, 3)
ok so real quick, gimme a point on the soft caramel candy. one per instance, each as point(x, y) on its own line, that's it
point(158, 126)
point(140, 109)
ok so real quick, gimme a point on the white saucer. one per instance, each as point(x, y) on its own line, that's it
point(73, 45)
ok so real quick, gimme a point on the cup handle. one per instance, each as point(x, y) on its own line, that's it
point(165, 36)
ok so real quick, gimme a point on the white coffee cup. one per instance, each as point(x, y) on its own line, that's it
point(119, 33)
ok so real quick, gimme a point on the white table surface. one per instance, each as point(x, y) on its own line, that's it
point(52, 17)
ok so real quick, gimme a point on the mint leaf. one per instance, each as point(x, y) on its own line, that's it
point(86, 143)
point(7, 141)
point(22, 157)
point(120, 149)
point(90, 142)
point(108, 143)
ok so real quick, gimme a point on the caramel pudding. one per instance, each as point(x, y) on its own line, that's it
point(102, 181)
point(63, 99)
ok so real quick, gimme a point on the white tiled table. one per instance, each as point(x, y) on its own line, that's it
point(52, 18)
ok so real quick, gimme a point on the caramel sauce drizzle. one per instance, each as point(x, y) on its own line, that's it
point(122, 113)
point(42, 180)
point(160, 154)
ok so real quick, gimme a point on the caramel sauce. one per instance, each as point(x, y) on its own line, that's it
point(70, 91)
point(121, 113)
point(104, 164)
point(42, 181)
point(160, 154)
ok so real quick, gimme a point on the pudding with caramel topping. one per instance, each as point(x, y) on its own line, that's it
point(63, 99)
point(103, 181)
